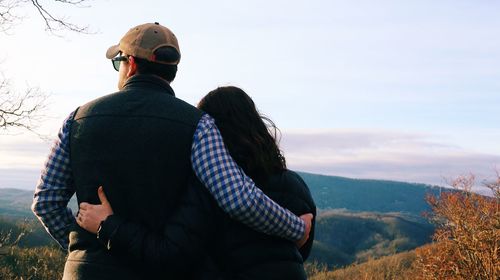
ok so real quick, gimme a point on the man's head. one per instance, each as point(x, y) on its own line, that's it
point(146, 49)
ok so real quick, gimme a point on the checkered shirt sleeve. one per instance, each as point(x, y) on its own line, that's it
point(235, 192)
point(55, 188)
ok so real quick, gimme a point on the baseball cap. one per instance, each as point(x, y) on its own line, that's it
point(143, 40)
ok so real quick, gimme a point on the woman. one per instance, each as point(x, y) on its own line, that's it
point(238, 252)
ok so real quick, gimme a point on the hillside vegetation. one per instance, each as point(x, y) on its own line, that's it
point(15, 202)
point(359, 195)
point(343, 238)
point(399, 266)
point(364, 234)
point(329, 192)
point(27, 252)
point(41, 263)
point(467, 240)
point(466, 243)
point(29, 231)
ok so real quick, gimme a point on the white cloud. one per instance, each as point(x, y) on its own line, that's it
point(19, 178)
point(22, 151)
point(357, 154)
point(383, 155)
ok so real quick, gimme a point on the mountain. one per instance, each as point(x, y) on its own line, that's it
point(358, 219)
point(342, 237)
point(15, 202)
point(332, 192)
point(329, 192)
point(361, 219)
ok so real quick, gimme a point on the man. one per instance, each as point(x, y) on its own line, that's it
point(143, 145)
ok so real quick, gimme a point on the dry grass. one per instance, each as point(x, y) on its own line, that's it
point(400, 266)
point(34, 263)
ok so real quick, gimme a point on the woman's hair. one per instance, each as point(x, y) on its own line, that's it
point(249, 136)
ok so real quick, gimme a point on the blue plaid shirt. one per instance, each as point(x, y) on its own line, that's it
point(234, 192)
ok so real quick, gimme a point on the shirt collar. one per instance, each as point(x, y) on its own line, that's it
point(148, 81)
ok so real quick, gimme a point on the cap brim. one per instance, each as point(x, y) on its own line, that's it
point(113, 51)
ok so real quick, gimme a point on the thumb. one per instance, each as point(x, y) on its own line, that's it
point(102, 196)
point(307, 218)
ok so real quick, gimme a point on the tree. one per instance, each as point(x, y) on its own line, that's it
point(25, 110)
point(467, 239)
point(9, 15)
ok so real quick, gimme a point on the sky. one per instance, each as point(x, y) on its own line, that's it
point(395, 90)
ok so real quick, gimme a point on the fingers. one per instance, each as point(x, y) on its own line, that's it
point(307, 218)
point(82, 213)
point(80, 217)
point(84, 220)
point(91, 215)
point(102, 195)
point(85, 205)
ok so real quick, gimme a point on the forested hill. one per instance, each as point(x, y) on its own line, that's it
point(15, 202)
point(332, 192)
point(372, 218)
point(329, 192)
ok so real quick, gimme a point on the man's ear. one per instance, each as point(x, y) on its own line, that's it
point(132, 67)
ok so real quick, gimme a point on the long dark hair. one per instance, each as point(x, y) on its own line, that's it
point(249, 136)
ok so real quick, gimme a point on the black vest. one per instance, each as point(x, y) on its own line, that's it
point(136, 143)
point(243, 253)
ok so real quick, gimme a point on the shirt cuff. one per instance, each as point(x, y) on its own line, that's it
point(108, 229)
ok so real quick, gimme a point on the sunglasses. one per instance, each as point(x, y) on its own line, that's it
point(117, 61)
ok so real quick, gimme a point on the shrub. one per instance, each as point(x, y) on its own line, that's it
point(467, 239)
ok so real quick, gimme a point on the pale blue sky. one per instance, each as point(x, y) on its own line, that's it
point(416, 84)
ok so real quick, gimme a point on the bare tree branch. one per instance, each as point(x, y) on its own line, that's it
point(24, 110)
point(53, 23)
point(8, 17)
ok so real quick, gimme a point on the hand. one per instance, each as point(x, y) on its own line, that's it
point(307, 218)
point(90, 216)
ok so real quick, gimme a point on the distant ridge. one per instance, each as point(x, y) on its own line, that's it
point(329, 192)
point(358, 218)
point(16, 203)
point(366, 195)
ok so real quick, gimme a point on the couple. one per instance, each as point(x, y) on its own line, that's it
point(179, 198)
